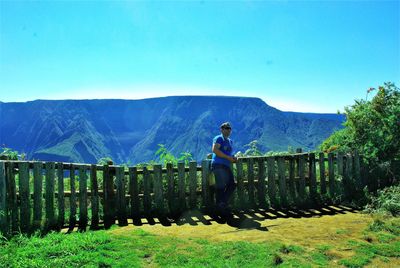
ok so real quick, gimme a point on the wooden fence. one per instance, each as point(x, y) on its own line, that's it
point(50, 196)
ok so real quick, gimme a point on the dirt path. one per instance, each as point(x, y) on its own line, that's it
point(309, 229)
point(333, 226)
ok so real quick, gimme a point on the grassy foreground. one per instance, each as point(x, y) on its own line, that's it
point(379, 245)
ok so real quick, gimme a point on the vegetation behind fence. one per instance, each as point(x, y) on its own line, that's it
point(50, 196)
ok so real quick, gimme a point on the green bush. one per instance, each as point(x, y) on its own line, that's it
point(386, 201)
point(10, 154)
point(373, 128)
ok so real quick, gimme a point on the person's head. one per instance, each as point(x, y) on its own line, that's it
point(226, 129)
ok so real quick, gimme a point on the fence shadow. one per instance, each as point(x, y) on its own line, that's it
point(249, 219)
point(243, 219)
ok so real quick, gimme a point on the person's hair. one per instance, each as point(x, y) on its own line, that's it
point(225, 125)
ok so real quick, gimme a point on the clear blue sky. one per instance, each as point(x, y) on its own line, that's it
point(312, 56)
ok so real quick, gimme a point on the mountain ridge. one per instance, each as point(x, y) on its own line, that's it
point(130, 130)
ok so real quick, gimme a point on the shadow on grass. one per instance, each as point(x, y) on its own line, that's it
point(240, 219)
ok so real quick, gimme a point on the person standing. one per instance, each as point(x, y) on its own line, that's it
point(221, 166)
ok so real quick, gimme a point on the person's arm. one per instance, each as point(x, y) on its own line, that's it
point(219, 153)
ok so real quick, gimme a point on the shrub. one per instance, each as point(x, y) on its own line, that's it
point(373, 128)
point(386, 201)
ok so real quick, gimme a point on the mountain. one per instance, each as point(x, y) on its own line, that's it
point(130, 130)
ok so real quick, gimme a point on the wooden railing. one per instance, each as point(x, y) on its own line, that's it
point(50, 196)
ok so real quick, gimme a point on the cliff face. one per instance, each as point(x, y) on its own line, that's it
point(130, 130)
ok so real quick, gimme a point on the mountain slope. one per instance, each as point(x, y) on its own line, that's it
point(130, 130)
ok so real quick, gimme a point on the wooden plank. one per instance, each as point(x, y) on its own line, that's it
point(60, 195)
point(331, 174)
point(339, 159)
point(312, 176)
point(109, 215)
point(357, 171)
point(111, 168)
point(322, 178)
point(37, 195)
point(72, 200)
point(24, 195)
point(12, 197)
point(298, 150)
point(261, 184)
point(181, 186)
point(292, 183)
point(158, 191)
point(271, 181)
point(250, 178)
point(240, 184)
point(94, 225)
point(348, 182)
point(204, 184)
point(302, 179)
point(121, 201)
point(3, 200)
point(134, 192)
point(83, 204)
point(192, 184)
point(147, 192)
point(171, 189)
point(49, 196)
point(282, 182)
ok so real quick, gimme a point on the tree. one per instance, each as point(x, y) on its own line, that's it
point(253, 149)
point(372, 127)
point(166, 156)
point(10, 154)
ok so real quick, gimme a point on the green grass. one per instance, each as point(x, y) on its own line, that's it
point(138, 248)
point(381, 240)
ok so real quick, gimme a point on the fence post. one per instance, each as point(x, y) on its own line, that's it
point(134, 192)
point(331, 171)
point(193, 184)
point(3, 205)
point(108, 188)
point(250, 179)
point(302, 179)
point(181, 187)
point(94, 198)
point(60, 195)
point(205, 184)
point(339, 160)
point(83, 210)
point(50, 177)
point(357, 172)
point(271, 181)
point(348, 181)
point(261, 183)
point(322, 179)
point(171, 189)
point(158, 190)
point(312, 175)
point(292, 183)
point(37, 194)
point(12, 197)
point(146, 192)
point(282, 182)
point(121, 203)
point(72, 199)
point(240, 184)
point(24, 195)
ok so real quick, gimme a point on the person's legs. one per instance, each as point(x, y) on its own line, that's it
point(230, 187)
point(225, 185)
point(221, 179)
